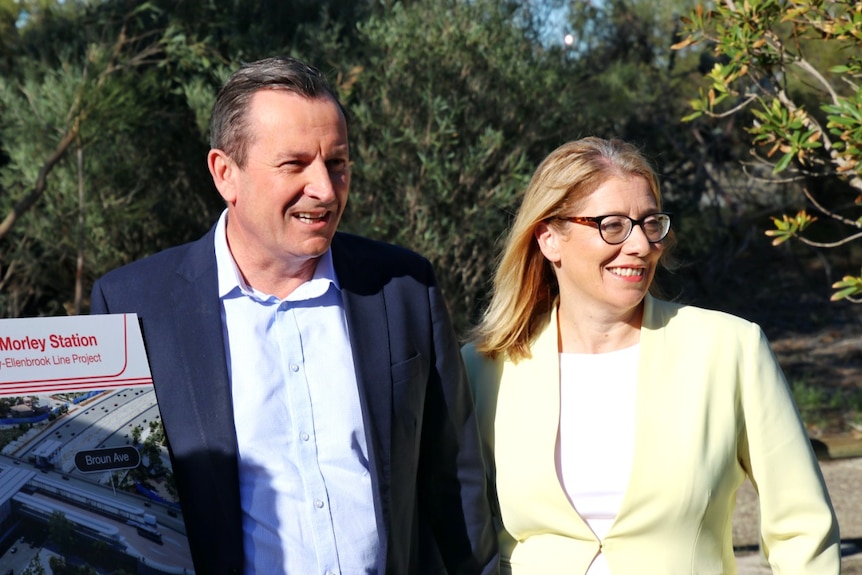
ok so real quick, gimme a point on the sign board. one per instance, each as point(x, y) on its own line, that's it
point(79, 352)
point(82, 444)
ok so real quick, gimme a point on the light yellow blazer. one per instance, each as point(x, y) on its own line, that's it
point(712, 407)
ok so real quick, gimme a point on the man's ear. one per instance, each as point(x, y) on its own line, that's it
point(549, 241)
point(223, 169)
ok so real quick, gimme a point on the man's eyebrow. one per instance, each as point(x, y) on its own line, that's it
point(288, 155)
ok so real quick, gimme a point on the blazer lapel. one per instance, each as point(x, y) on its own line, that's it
point(199, 328)
point(195, 400)
point(369, 339)
point(181, 321)
point(365, 309)
point(526, 429)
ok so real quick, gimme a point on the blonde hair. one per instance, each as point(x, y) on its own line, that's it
point(525, 287)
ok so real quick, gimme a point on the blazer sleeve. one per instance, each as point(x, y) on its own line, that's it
point(450, 434)
point(98, 305)
point(799, 529)
point(483, 375)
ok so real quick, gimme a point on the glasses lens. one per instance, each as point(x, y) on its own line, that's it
point(656, 227)
point(615, 229)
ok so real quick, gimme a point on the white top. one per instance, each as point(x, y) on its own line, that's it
point(596, 444)
point(305, 487)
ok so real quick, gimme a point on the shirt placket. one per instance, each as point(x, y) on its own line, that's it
point(302, 417)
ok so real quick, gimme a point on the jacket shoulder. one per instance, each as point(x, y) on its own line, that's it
point(155, 263)
point(151, 277)
point(674, 315)
point(352, 245)
point(367, 265)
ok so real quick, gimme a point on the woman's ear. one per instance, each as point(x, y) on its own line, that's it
point(548, 239)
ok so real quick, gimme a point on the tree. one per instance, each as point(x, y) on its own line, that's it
point(95, 156)
point(136, 434)
point(638, 86)
point(794, 67)
point(103, 117)
point(153, 454)
point(62, 532)
point(35, 567)
point(446, 128)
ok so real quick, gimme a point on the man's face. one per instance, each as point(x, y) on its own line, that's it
point(285, 204)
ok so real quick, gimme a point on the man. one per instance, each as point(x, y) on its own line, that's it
point(309, 381)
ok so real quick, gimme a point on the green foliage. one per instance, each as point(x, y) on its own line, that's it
point(91, 164)
point(136, 434)
point(788, 227)
point(786, 132)
point(848, 287)
point(824, 407)
point(34, 567)
point(844, 120)
point(9, 434)
point(794, 66)
point(104, 108)
point(446, 128)
point(809, 397)
point(62, 532)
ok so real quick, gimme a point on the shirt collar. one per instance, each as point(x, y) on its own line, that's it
point(231, 282)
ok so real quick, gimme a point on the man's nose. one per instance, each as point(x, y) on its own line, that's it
point(320, 184)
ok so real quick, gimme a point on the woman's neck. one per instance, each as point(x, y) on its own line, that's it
point(585, 331)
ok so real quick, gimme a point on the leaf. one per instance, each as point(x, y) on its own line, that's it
point(683, 44)
point(783, 163)
point(848, 286)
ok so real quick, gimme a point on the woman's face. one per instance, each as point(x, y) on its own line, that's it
point(593, 275)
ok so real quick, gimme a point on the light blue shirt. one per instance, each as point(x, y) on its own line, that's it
point(305, 487)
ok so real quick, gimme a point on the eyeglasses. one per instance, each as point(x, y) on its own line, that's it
point(616, 229)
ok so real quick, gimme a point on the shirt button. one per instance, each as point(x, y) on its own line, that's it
point(303, 436)
point(294, 368)
point(318, 503)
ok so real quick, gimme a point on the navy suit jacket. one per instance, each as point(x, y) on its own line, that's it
point(426, 467)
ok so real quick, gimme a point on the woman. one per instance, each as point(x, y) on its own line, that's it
point(617, 426)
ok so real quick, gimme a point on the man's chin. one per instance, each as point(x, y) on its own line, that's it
point(315, 247)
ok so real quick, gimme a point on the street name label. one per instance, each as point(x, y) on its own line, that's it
point(110, 458)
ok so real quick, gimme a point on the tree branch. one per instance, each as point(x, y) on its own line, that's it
point(27, 201)
point(840, 242)
point(830, 213)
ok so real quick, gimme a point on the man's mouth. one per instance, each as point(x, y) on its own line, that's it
point(308, 218)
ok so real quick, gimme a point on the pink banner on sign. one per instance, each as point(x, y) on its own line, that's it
point(42, 355)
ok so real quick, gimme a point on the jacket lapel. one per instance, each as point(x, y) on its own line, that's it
point(526, 429)
point(199, 329)
point(195, 400)
point(365, 309)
